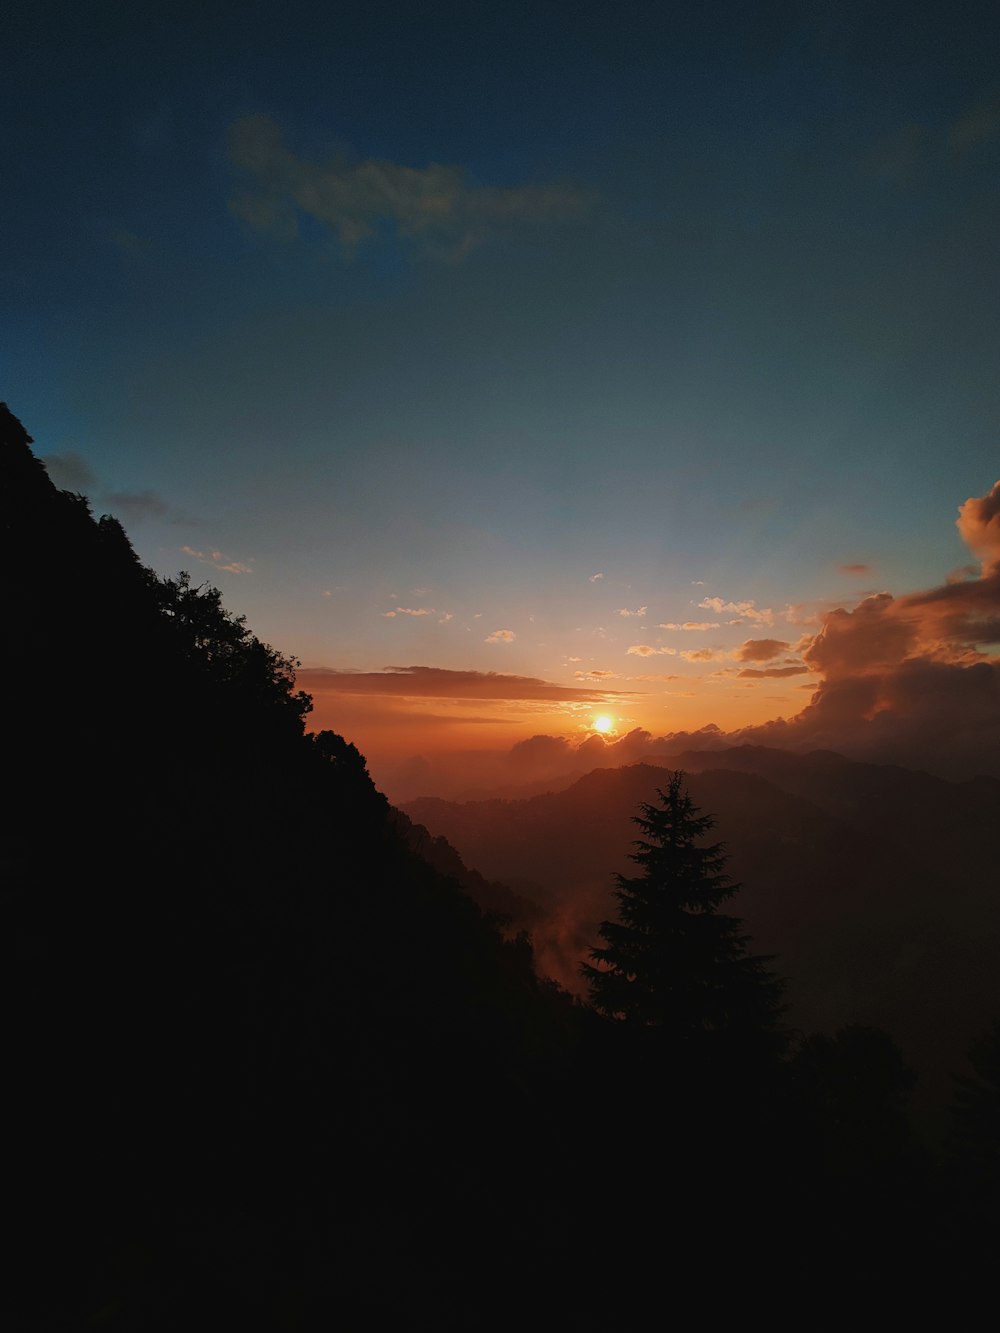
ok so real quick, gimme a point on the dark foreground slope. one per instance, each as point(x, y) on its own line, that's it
point(254, 1045)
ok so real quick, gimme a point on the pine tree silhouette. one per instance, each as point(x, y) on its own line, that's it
point(673, 961)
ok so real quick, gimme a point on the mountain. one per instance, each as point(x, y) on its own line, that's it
point(254, 1043)
point(874, 886)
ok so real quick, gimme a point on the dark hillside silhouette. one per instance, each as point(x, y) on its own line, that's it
point(256, 1043)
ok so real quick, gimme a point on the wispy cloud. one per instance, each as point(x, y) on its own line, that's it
point(69, 471)
point(594, 578)
point(639, 611)
point(218, 561)
point(747, 610)
point(703, 655)
point(442, 683)
point(501, 636)
point(138, 505)
point(691, 625)
point(408, 611)
point(438, 203)
point(647, 650)
point(978, 125)
point(759, 673)
point(859, 571)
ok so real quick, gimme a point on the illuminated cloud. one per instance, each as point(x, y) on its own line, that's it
point(409, 611)
point(639, 611)
point(746, 610)
point(596, 675)
point(978, 523)
point(352, 197)
point(859, 570)
point(595, 577)
point(647, 650)
point(962, 573)
point(441, 683)
point(692, 625)
point(500, 636)
point(761, 650)
point(703, 655)
point(755, 673)
point(218, 561)
point(906, 679)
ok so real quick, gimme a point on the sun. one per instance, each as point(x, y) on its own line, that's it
point(604, 724)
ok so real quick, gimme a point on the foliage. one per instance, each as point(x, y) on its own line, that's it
point(225, 650)
point(977, 1103)
point(673, 961)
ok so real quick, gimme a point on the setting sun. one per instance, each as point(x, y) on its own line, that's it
point(603, 724)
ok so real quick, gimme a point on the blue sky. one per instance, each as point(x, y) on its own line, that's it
point(385, 308)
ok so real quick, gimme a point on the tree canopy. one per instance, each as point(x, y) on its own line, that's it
point(673, 961)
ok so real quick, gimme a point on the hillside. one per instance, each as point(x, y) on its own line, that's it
point(241, 1009)
point(873, 886)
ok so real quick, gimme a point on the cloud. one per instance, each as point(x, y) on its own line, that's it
point(647, 650)
point(978, 523)
point(218, 561)
point(692, 625)
point(859, 570)
point(596, 675)
point(703, 655)
point(753, 673)
point(907, 679)
point(138, 506)
point(352, 197)
point(70, 471)
point(746, 610)
point(978, 125)
point(761, 650)
point(639, 611)
point(500, 636)
point(409, 611)
point(442, 683)
point(595, 577)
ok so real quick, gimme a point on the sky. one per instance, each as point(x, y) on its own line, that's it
point(524, 368)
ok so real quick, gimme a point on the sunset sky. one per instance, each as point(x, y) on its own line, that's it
point(513, 366)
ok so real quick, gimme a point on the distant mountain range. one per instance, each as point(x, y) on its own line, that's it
point(874, 886)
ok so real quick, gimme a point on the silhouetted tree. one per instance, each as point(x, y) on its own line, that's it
point(673, 961)
point(977, 1106)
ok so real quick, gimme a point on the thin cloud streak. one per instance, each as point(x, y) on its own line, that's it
point(352, 197)
point(442, 683)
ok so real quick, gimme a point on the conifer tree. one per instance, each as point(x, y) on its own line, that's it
point(673, 961)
